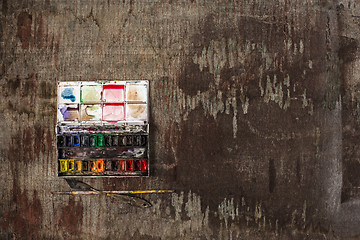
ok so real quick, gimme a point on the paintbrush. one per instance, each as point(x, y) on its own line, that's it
point(116, 192)
point(124, 198)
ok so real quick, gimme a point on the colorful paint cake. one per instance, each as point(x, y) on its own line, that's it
point(102, 128)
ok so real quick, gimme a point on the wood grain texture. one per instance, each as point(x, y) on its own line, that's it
point(253, 117)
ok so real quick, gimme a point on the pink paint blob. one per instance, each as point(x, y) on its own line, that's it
point(114, 112)
point(113, 93)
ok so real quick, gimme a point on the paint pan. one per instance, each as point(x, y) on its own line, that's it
point(115, 165)
point(100, 140)
point(100, 167)
point(122, 140)
point(129, 140)
point(84, 140)
point(91, 112)
point(136, 112)
point(93, 165)
point(113, 93)
point(78, 166)
point(144, 139)
point(114, 112)
point(69, 92)
point(108, 141)
point(68, 141)
point(90, 93)
point(144, 165)
point(137, 165)
point(71, 165)
point(136, 93)
point(68, 112)
point(139, 140)
point(115, 140)
point(76, 140)
point(108, 165)
point(136, 140)
point(60, 141)
point(129, 165)
point(92, 141)
point(85, 166)
point(122, 166)
point(63, 165)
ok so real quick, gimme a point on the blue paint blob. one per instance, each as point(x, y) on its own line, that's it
point(68, 94)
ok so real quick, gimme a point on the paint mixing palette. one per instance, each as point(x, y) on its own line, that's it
point(102, 128)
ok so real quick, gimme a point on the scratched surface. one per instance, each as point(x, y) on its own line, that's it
point(254, 117)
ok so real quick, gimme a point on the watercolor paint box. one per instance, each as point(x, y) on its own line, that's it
point(102, 128)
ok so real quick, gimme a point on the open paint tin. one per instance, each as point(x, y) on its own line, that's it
point(102, 128)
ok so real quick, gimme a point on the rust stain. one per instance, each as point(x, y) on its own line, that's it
point(24, 216)
point(44, 133)
point(29, 88)
point(39, 32)
point(47, 90)
point(71, 216)
point(24, 29)
point(57, 48)
point(27, 145)
point(38, 37)
point(21, 94)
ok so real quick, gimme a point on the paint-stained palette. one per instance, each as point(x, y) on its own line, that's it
point(102, 128)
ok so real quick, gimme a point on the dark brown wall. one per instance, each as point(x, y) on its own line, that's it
point(254, 117)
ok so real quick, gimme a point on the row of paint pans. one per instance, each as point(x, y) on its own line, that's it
point(102, 166)
point(100, 140)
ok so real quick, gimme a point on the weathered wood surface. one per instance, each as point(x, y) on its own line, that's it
point(254, 117)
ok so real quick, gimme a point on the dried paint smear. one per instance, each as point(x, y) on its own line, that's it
point(91, 94)
point(136, 112)
point(68, 112)
point(136, 92)
point(91, 112)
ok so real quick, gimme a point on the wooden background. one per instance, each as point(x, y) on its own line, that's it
point(254, 117)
